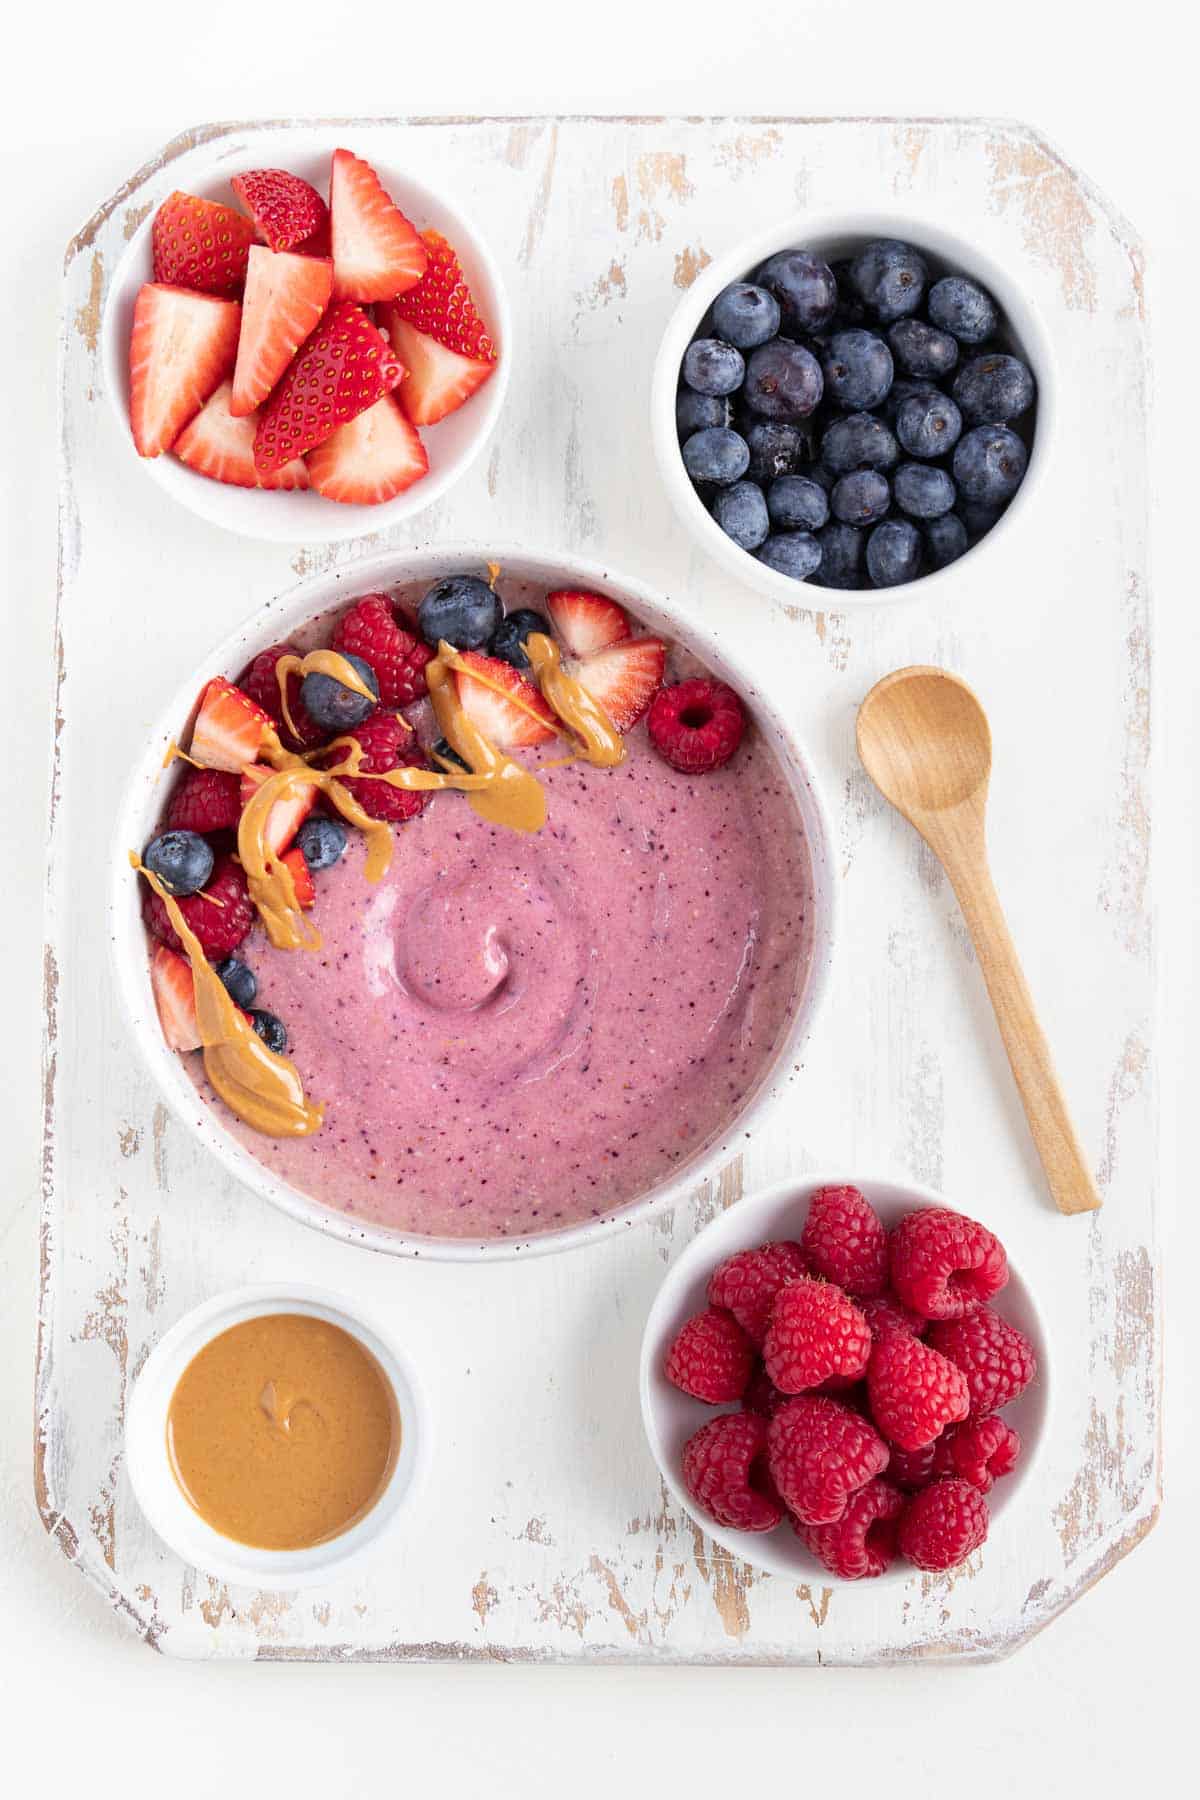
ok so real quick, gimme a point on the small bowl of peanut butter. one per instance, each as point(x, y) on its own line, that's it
point(274, 1435)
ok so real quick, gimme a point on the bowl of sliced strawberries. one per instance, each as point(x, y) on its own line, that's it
point(307, 353)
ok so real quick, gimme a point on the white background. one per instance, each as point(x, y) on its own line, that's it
point(1104, 1701)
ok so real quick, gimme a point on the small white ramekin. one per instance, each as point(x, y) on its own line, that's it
point(160, 1497)
point(294, 518)
point(834, 236)
point(670, 1417)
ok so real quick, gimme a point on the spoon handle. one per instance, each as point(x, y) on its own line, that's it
point(965, 859)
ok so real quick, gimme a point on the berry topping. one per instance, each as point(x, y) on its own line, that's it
point(462, 610)
point(271, 1030)
point(914, 1392)
point(287, 814)
point(200, 244)
point(220, 915)
point(586, 623)
point(229, 728)
point(370, 630)
point(284, 299)
point(845, 1242)
point(696, 725)
point(981, 1451)
point(819, 1453)
point(814, 1331)
point(944, 1265)
point(335, 707)
point(376, 251)
point(997, 1360)
point(342, 369)
point(723, 1471)
point(205, 800)
point(625, 678)
point(370, 459)
point(439, 336)
point(711, 1358)
point(182, 347)
point(862, 1543)
point(182, 861)
point(302, 882)
point(259, 681)
point(942, 1524)
point(238, 980)
point(746, 1283)
point(387, 743)
point(505, 707)
point(286, 211)
point(174, 991)
point(222, 447)
point(508, 640)
point(322, 841)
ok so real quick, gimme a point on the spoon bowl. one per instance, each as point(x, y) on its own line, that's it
point(925, 741)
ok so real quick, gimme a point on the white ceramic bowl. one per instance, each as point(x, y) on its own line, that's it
point(834, 236)
point(305, 517)
point(670, 1417)
point(160, 1496)
point(143, 802)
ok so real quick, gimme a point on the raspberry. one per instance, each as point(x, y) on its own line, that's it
point(711, 1358)
point(746, 1284)
point(696, 725)
point(845, 1242)
point(387, 743)
point(980, 1451)
point(260, 683)
point(761, 1395)
point(370, 630)
point(912, 1469)
point(997, 1359)
point(819, 1453)
point(915, 1393)
point(814, 1332)
point(719, 1472)
point(862, 1542)
point(220, 914)
point(943, 1524)
point(945, 1265)
point(885, 1313)
point(205, 800)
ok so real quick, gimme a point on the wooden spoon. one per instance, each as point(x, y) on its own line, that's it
point(925, 743)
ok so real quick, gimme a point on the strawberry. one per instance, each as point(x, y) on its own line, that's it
point(370, 630)
point(505, 707)
point(286, 816)
point(344, 367)
point(586, 623)
point(284, 299)
point(376, 251)
point(229, 728)
point(181, 348)
point(259, 681)
point(200, 244)
point(285, 209)
point(175, 997)
point(222, 447)
point(624, 678)
point(302, 880)
point(438, 335)
point(205, 800)
point(371, 459)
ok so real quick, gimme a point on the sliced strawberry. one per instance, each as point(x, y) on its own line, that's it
point(302, 880)
point(222, 447)
point(181, 348)
point(586, 623)
point(438, 381)
point(229, 728)
point(200, 244)
point(376, 251)
point(286, 816)
point(175, 997)
point(284, 299)
point(285, 209)
point(439, 336)
point(345, 366)
point(625, 678)
point(373, 458)
point(505, 707)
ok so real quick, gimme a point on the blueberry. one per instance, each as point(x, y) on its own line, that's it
point(797, 503)
point(697, 412)
point(461, 609)
point(859, 441)
point(893, 553)
point(449, 754)
point(741, 512)
point(271, 1030)
point(508, 640)
point(903, 389)
point(794, 553)
point(843, 556)
point(783, 381)
point(322, 840)
point(921, 349)
point(993, 389)
point(745, 315)
point(719, 456)
point(775, 449)
point(928, 424)
point(713, 368)
point(804, 286)
point(922, 491)
point(182, 860)
point(977, 517)
point(861, 498)
point(962, 308)
point(989, 464)
point(858, 370)
point(945, 540)
point(891, 278)
point(334, 707)
point(239, 981)
point(850, 310)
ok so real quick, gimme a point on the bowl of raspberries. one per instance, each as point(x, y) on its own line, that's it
point(850, 409)
point(845, 1380)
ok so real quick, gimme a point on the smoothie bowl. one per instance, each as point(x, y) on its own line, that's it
point(523, 958)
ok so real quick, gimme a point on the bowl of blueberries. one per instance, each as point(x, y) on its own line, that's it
point(854, 405)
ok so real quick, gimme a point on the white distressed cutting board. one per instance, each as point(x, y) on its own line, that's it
point(545, 1532)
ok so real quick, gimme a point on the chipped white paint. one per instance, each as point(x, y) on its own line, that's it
point(544, 1533)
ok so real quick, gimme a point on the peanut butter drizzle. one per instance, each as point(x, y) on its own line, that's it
point(319, 662)
point(600, 741)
